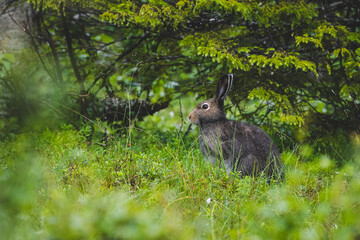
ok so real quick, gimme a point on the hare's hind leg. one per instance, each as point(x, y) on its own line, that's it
point(249, 166)
point(228, 166)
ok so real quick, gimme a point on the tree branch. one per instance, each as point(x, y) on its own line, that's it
point(110, 70)
point(79, 78)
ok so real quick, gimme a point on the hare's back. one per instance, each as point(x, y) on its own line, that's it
point(256, 149)
point(254, 140)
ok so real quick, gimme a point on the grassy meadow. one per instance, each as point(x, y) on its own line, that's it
point(155, 184)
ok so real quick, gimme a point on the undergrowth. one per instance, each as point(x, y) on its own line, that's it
point(57, 185)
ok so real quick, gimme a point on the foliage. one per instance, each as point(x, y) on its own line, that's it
point(297, 62)
point(57, 185)
point(30, 100)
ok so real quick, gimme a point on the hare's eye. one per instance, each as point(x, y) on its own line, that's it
point(205, 106)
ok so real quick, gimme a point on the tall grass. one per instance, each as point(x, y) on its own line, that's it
point(56, 185)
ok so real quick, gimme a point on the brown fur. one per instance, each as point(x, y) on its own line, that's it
point(238, 146)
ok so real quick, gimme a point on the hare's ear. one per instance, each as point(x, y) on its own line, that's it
point(223, 87)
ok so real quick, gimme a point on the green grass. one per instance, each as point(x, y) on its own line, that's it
point(153, 185)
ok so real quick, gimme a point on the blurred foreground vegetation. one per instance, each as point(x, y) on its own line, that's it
point(55, 185)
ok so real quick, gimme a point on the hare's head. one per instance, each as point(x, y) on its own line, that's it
point(212, 110)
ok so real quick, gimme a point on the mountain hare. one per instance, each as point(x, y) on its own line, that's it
point(239, 146)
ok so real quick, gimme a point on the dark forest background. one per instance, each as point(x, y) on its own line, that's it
point(296, 64)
